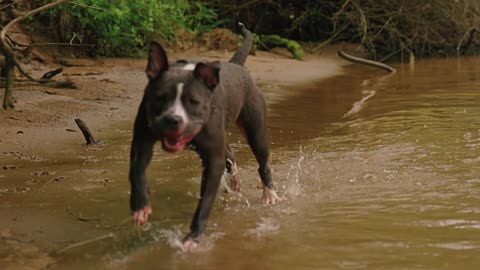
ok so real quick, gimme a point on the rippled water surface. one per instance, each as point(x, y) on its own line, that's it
point(393, 183)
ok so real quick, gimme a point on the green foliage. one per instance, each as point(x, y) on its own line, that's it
point(122, 27)
point(204, 19)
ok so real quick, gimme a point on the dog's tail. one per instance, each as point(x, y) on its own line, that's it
point(241, 54)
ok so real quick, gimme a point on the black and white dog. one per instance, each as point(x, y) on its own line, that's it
point(188, 103)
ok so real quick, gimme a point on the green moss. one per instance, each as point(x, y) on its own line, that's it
point(272, 41)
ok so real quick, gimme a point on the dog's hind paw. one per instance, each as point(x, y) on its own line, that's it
point(140, 216)
point(232, 171)
point(230, 179)
point(270, 197)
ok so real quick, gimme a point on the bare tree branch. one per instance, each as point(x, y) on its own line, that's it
point(8, 5)
point(16, 43)
point(7, 50)
point(87, 6)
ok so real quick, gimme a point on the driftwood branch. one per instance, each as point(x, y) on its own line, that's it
point(367, 62)
point(85, 131)
point(50, 74)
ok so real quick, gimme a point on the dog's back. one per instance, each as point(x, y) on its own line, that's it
point(238, 90)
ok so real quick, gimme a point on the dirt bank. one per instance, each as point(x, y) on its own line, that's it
point(109, 91)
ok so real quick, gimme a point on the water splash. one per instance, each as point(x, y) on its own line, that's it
point(358, 105)
point(266, 226)
point(293, 187)
point(174, 238)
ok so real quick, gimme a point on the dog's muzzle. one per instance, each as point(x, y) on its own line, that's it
point(174, 141)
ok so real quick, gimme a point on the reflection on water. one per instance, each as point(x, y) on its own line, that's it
point(395, 185)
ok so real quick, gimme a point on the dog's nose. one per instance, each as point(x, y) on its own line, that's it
point(173, 121)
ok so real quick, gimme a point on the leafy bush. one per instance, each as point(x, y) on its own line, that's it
point(122, 27)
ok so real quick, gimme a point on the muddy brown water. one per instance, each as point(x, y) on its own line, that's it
point(393, 185)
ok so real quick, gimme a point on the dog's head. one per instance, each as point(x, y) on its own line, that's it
point(178, 97)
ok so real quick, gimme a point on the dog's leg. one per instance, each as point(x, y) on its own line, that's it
point(257, 139)
point(212, 154)
point(252, 123)
point(140, 156)
point(232, 170)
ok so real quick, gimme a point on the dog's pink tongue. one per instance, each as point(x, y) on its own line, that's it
point(172, 143)
point(173, 139)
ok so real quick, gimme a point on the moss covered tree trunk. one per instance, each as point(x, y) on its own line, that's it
point(272, 41)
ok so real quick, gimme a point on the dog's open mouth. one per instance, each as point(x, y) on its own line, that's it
point(175, 142)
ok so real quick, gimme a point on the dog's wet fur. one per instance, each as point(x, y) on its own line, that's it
point(192, 104)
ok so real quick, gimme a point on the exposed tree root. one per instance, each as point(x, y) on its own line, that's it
point(367, 62)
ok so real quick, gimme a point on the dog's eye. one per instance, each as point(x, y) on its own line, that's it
point(160, 98)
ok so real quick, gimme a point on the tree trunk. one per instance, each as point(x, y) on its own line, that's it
point(10, 73)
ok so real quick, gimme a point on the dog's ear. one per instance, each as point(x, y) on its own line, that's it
point(157, 60)
point(209, 73)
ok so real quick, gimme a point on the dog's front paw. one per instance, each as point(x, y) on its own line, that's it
point(270, 196)
point(140, 216)
point(189, 246)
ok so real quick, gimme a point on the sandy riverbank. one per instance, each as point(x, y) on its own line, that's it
point(109, 91)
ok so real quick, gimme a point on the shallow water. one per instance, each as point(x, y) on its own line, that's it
point(392, 185)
